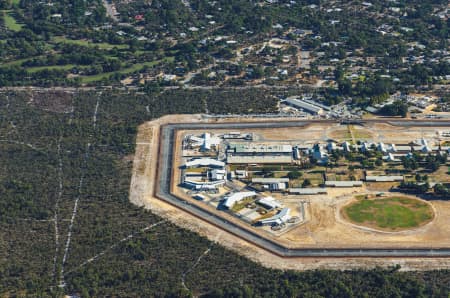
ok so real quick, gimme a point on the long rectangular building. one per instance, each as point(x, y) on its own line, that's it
point(203, 185)
point(204, 162)
point(308, 191)
point(259, 148)
point(343, 183)
point(305, 106)
point(270, 180)
point(384, 178)
point(261, 159)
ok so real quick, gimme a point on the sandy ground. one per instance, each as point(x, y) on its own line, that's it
point(324, 229)
point(320, 132)
point(328, 229)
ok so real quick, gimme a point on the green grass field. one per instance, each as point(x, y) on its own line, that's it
point(389, 213)
point(51, 67)
point(10, 21)
point(17, 62)
point(87, 43)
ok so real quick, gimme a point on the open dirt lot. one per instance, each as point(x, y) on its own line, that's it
point(325, 227)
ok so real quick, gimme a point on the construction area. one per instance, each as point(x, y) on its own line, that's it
point(282, 190)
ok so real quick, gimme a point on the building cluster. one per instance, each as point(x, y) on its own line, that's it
point(282, 215)
point(214, 169)
point(391, 152)
point(211, 176)
point(418, 103)
point(205, 142)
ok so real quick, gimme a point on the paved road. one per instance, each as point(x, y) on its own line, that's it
point(163, 192)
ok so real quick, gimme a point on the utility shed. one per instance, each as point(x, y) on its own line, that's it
point(308, 191)
point(344, 183)
point(384, 178)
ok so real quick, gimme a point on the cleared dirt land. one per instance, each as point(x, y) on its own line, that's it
point(326, 226)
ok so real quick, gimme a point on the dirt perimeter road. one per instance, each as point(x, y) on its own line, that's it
point(142, 189)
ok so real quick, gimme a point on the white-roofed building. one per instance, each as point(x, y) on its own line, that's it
point(204, 162)
point(403, 148)
point(343, 183)
point(390, 157)
point(205, 142)
point(269, 202)
point(347, 147)
point(365, 147)
point(381, 147)
point(297, 154)
point(203, 185)
point(308, 191)
point(426, 149)
point(209, 141)
point(270, 180)
point(218, 174)
point(241, 174)
point(277, 186)
point(234, 198)
point(305, 106)
point(258, 159)
point(259, 152)
point(384, 178)
point(259, 148)
point(195, 141)
point(319, 154)
point(278, 219)
point(331, 146)
point(423, 142)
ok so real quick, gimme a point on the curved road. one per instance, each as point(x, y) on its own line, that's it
point(163, 192)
